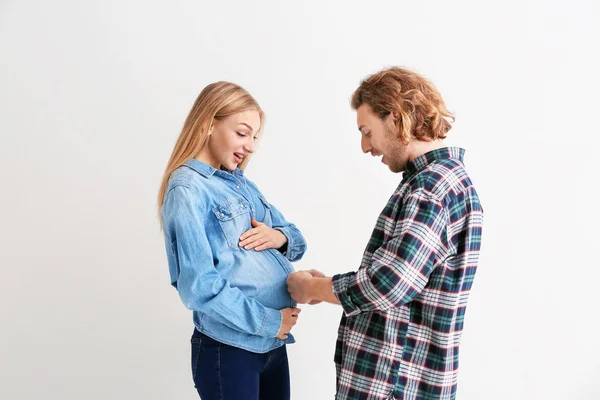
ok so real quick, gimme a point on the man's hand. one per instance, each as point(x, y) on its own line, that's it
point(317, 274)
point(298, 285)
point(261, 237)
point(289, 319)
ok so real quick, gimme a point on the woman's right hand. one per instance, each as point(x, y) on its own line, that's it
point(289, 319)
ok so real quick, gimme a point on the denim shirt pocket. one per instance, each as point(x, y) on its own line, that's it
point(234, 219)
point(268, 217)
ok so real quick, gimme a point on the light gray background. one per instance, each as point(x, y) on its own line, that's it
point(92, 98)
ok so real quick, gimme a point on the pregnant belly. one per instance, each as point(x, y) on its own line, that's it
point(262, 275)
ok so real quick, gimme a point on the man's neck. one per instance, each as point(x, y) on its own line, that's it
point(418, 148)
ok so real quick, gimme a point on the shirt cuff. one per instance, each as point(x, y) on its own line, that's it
point(289, 252)
point(340, 284)
point(271, 323)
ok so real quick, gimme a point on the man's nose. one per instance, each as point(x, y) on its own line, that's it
point(365, 145)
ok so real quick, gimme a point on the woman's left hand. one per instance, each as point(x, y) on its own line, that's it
point(261, 237)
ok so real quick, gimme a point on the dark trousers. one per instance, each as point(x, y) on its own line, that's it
point(223, 372)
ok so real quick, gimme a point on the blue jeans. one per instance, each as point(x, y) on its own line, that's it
point(223, 372)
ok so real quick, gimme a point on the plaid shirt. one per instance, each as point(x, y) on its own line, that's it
point(404, 308)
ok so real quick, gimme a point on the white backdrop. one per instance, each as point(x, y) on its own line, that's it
point(92, 98)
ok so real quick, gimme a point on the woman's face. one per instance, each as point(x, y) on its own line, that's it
point(233, 138)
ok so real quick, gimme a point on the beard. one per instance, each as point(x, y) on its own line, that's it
point(397, 154)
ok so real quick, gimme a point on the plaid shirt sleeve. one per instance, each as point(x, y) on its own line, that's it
point(400, 268)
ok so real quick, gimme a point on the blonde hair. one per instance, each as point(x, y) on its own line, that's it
point(422, 113)
point(216, 101)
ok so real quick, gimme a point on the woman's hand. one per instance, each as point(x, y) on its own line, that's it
point(261, 237)
point(289, 319)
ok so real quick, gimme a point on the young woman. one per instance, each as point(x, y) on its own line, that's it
point(229, 251)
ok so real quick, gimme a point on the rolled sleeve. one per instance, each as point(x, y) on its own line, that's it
point(296, 244)
point(340, 284)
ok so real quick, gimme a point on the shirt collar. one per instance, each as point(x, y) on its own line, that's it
point(424, 160)
point(207, 170)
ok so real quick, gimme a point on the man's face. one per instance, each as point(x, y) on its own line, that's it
point(380, 138)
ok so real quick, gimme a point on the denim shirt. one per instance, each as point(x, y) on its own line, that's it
point(235, 294)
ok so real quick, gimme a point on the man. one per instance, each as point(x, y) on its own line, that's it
point(404, 307)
